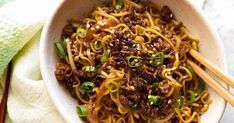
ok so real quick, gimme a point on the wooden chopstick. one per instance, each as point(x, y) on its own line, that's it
point(212, 83)
point(222, 75)
point(3, 105)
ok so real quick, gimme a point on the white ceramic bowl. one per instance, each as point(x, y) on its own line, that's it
point(193, 18)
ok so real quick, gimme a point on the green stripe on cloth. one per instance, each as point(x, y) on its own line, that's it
point(2, 2)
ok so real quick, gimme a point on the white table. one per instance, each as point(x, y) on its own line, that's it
point(221, 14)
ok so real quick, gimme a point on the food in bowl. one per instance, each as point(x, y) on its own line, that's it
point(126, 62)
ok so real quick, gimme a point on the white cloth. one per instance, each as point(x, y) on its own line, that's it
point(28, 100)
point(21, 22)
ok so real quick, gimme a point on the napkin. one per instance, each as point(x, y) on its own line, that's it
point(21, 22)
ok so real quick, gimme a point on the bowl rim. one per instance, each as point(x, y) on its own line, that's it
point(48, 22)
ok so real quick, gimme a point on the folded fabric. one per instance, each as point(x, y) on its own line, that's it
point(20, 24)
point(28, 101)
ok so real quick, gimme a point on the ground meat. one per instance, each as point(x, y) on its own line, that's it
point(166, 106)
point(83, 74)
point(69, 85)
point(130, 99)
point(118, 63)
point(166, 14)
point(184, 48)
point(125, 101)
point(161, 45)
point(132, 20)
point(139, 84)
point(149, 109)
point(150, 73)
point(63, 71)
point(178, 26)
point(68, 30)
point(79, 73)
point(98, 80)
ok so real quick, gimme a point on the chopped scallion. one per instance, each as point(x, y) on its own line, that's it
point(90, 69)
point(60, 49)
point(134, 61)
point(191, 70)
point(81, 32)
point(119, 4)
point(97, 45)
point(155, 85)
point(105, 56)
point(82, 111)
point(179, 103)
point(192, 96)
point(157, 59)
point(87, 87)
point(200, 88)
point(153, 99)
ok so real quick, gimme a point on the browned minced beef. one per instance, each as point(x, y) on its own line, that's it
point(83, 74)
point(63, 71)
point(68, 30)
point(64, 74)
point(166, 14)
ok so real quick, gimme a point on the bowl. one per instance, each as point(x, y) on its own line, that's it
point(193, 18)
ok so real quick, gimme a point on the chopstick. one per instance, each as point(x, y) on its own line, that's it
point(212, 83)
point(218, 72)
point(3, 105)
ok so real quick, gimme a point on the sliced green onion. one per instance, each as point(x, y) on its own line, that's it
point(177, 79)
point(155, 85)
point(119, 4)
point(90, 69)
point(81, 32)
point(153, 99)
point(179, 103)
point(192, 96)
point(157, 59)
point(97, 45)
point(134, 61)
point(191, 70)
point(112, 86)
point(105, 56)
point(200, 88)
point(60, 49)
point(82, 111)
point(105, 3)
point(87, 87)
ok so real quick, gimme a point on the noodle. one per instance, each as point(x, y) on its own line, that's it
point(126, 63)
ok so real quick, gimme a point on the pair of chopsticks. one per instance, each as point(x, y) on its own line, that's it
point(219, 89)
point(3, 105)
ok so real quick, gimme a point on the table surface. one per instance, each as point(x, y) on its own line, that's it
point(221, 15)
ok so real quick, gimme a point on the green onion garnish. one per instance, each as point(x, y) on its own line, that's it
point(155, 85)
point(157, 59)
point(105, 56)
point(192, 96)
point(179, 103)
point(60, 49)
point(134, 61)
point(90, 69)
point(82, 110)
point(191, 70)
point(87, 87)
point(153, 99)
point(200, 88)
point(177, 79)
point(97, 45)
point(119, 4)
point(81, 32)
